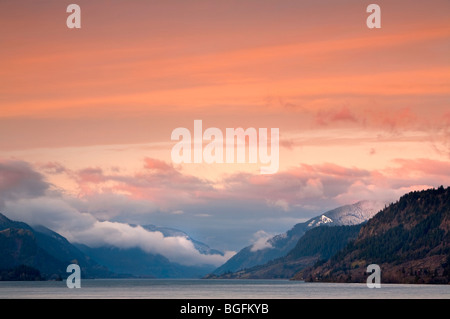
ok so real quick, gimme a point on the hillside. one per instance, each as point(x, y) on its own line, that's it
point(318, 244)
point(18, 246)
point(25, 249)
point(281, 245)
point(43, 250)
point(135, 262)
point(409, 240)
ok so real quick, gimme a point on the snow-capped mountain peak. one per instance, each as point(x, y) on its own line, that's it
point(348, 215)
point(280, 245)
point(356, 213)
point(319, 221)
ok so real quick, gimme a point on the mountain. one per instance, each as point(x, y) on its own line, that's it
point(349, 214)
point(136, 262)
point(281, 245)
point(172, 232)
point(42, 249)
point(18, 247)
point(409, 240)
point(317, 244)
point(25, 250)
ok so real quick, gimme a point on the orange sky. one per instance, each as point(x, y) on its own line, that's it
point(109, 95)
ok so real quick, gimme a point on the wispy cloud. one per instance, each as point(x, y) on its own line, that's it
point(261, 241)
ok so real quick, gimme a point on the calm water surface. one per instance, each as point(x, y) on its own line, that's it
point(211, 289)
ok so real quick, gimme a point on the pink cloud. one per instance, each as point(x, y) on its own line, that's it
point(304, 185)
point(287, 143)
point(326, 117)
point(343, 114)
point(422, 167)
point(155, 164)
point(158, 182)
point(91, 175)
point(333, 184)
point(52, 168)
point(391, 119)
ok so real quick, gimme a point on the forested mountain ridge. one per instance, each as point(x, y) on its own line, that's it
point(409, 240)
point(280, 245)
point(24, 248)
point(318, 244)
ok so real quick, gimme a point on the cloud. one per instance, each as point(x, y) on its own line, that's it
point(19, 180)
point(52, 168)
point(313, 185)
point(329, 185)
point(202, 215)
point(393, 119)
point(91, 175)
point(440, 134)
point(261, 241)
point(52, 212)
point(287, 143)
point(176, 249)
point(157, 181)
point(160, 186)
point(333, 116)
point(25, 197)
point(423, 166)
point(107, 206)
point(162, 194)
point(58, 215)
point(280, 203)
point(158, 165)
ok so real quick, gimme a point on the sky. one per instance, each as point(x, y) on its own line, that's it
point(86, 115)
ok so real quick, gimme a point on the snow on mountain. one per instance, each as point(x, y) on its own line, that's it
point(349, 214)
point(321, 220)
point(281, 244)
